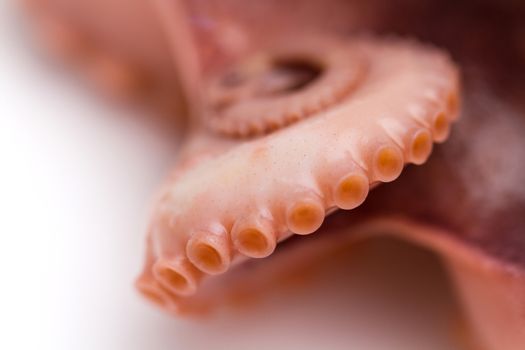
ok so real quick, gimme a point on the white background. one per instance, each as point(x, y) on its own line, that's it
point(76, 178)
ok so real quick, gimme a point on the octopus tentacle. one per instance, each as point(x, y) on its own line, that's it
point(345, 116)
point(493, 279)
point(278, 88)
point(336, 156)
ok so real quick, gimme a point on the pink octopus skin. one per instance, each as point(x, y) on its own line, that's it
point(118, 46)
point(465, 203)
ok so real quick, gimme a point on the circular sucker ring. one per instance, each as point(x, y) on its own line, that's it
point(271, 90)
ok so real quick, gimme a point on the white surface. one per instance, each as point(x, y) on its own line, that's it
point(76, 178)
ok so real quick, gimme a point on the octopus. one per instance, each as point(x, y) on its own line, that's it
point(301, 121)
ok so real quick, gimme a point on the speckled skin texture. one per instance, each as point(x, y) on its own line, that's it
point(250, 177)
